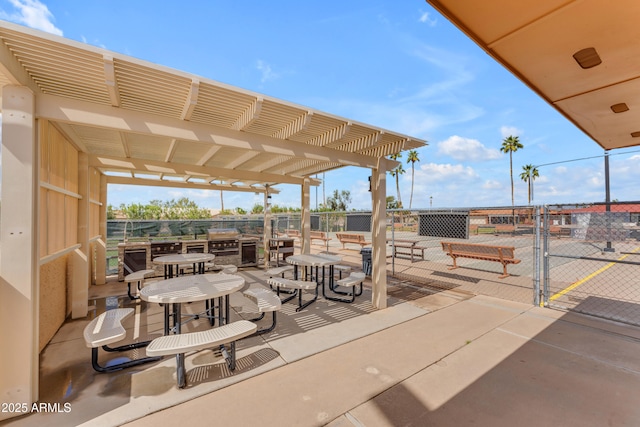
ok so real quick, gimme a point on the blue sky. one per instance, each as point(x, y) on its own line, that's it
point(396, 65)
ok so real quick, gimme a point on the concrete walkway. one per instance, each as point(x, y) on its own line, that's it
point(479, 361)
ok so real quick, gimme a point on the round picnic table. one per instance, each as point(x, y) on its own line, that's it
point(169, 261)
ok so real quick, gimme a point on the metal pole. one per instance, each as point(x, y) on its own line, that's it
point(536, 259)
point(545, 252)
point(393, 242)
point(607, 200)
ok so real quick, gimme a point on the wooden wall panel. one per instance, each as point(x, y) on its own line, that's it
point(71, 221)
point(94, 218)
point(44, 151)
point(57, 161)
point(71, 173)
point(44, 233)
point(56, 220)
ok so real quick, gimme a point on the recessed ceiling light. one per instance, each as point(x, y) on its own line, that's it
point(619, 108)
point(587, 58)
point(635, 134)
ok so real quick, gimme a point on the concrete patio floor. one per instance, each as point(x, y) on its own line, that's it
point(442, 358)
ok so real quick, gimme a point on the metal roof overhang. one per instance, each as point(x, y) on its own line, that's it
point(536, 41)
point(141, 123)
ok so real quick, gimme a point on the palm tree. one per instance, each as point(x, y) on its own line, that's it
point(528, 175)
point(396, 172)
point(412, 158)
point(510, 145)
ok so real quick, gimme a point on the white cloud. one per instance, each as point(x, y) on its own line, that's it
point(507, 131)
point(266, 71)
point(492, 184)
point(33, 14)
point(467, 149)
point(426, 19)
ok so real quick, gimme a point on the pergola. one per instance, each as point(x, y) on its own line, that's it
point(76, 118)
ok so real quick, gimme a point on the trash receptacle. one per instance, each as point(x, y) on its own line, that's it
point(366, 260)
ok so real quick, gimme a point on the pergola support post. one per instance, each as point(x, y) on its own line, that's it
point(379, 235)
point(101, 243)
point(80, 277)
point(19, 261)
point(305, 224)
point(266, 226)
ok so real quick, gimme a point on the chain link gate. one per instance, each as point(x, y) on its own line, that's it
point(592, 254)
point(418, 258)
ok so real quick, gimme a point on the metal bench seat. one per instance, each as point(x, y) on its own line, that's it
point(266, 301)
point(106, 329)
point(297, 285)
point(201, 340)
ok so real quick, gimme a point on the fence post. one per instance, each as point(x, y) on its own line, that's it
point(545, 251)
point(393, 240)
point(536, 259)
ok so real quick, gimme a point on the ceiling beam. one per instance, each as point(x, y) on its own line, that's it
point(359, 144)
point(208, 155)
point(331, 136)
point(192, 100)
point(298, 125)
point(90, 114)
point(249, 115)
point(110, 80)
point(14, 71)
point(143, 166)
point(243, 158)
point(171, 151)
point(181, 184)
point(125, 144)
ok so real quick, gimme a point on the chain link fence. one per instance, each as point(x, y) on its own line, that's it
point(579, 257)
point(592, 254)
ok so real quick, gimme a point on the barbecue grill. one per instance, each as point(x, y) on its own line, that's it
point(230, 247)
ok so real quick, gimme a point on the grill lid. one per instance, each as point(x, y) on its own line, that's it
point(223, 233)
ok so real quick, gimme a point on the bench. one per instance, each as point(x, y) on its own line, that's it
point(297, 286)
point(279, 271)
point(503, 254)
point(319, 235)
point(410, 245)
point(179, 344)
point(340, 269)
point(106, 329)
point(266, 301)
point(293, 233)
point(504, 229)
point(354, 279)
point(137, 277)
point(355, 238)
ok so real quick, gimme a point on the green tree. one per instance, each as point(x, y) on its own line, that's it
point(339, 201)
point(510, 145)
point(412, 158)
point(257, 209)
point(396, 172)
point(528, 175)
point(183, 208)
point(391, 203)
